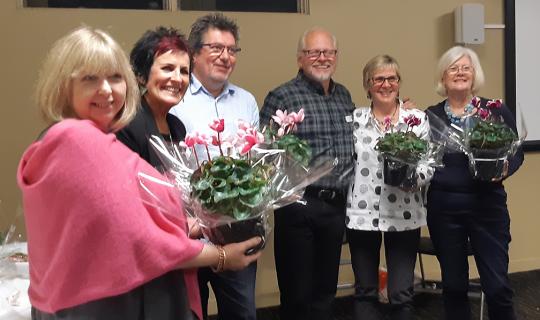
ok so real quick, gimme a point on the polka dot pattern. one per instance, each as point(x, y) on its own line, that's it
point(363, 188)
point(362, 204)
point(371, 204)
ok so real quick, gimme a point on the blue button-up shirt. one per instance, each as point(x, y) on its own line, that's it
point(199, 107)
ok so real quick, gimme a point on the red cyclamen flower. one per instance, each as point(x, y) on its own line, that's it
point(251, 138)
point(412, 121)
point(387, 123)
point(483, 113)
point(217, 125)
point(190, 140)
point(476, 102)
point(494, 104)
point(203, 139)
point(215, 140)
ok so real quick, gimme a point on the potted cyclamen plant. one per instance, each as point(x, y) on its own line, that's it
point(279, 134)
point(232, 194)
point(489, 140)
point(401, 151)
point(228, 190)
point(283, 138)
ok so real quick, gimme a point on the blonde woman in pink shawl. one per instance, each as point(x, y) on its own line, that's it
point(100, 247)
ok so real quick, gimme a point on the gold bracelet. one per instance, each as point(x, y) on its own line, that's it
point(221, 260)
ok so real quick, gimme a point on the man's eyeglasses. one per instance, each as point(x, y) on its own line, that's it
point(455, 69)
point(380, 80)
point(315, 54)
point(216, 49)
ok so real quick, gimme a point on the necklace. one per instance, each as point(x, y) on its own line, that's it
point(457, 119)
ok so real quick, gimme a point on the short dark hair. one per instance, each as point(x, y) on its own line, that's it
point(152, 44)
point(213, 20)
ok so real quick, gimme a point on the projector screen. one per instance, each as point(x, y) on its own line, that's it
point(522, 65)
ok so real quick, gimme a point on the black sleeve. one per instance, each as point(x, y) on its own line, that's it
point(133, 136)
point(272, 102)
point(515, 161)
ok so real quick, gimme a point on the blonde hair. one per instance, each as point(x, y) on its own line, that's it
point(378, 62)
point(449, 58)
point(85, 50)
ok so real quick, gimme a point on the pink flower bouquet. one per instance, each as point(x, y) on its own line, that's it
point(232, 194)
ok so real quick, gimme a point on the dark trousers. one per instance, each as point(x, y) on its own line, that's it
point(400, 251)
point(453, 218)
point(234, 291)
point(307, 247)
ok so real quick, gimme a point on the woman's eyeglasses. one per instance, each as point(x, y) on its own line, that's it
point(455, 69)
point(378, 81)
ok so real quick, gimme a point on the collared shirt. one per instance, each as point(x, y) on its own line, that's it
point(371, 204)
point(327, 125)
point(199, 107)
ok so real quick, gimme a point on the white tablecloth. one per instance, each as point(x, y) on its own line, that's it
point(14, 303)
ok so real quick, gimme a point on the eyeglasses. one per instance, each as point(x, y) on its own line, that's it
point(455, 69)
point(379, 81)
point(315, 54)
point(216, 49)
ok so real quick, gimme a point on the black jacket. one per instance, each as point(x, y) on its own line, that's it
point(136, 134)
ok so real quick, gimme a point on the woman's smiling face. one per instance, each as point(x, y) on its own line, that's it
point(384, 86)
point(98, 97)
point(168, 79)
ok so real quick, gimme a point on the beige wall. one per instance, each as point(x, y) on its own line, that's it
point(415, 32)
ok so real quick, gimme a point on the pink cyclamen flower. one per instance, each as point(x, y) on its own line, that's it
point(250, 139)
point(412, 120)
point(229, 142)
point(204, 139)
point(215, 141)
point(217, 125)
point(476, 102)
point(190, 140)
point(483, 113)
point(281, 117)
point(242, 125)
point(296, 117)
point(494, 104)
point(387, 123)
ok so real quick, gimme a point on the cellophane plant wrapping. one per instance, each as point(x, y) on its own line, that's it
point(484, 137)
point(403, 151)
point(232, 194)
point(487, 131)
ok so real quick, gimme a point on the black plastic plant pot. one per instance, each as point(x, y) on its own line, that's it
point(486, 165)
point(238, 231)
point(398, 174)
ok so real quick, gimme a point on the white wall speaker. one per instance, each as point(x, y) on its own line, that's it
point(469, 23)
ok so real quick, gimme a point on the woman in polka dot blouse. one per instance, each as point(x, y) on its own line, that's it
point(374, 208)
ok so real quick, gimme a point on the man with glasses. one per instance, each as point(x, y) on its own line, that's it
point(308, 238)
point(214, 41)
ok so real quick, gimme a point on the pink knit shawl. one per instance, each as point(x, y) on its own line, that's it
point(92, 230)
